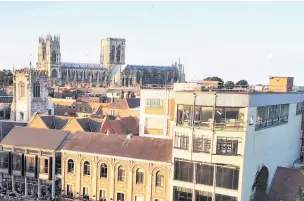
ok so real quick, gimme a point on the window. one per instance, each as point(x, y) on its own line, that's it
point(70, 191)
point(227, 177)
point(112, 112)
point(154, 103)
point(271, 116)
point(219, 197)
point(228, 146)
point(159, 180)
point(80, 109)
point(183, 171)
point(139, 198)
point(300, 108)
point(121, 174)
point(21, 89)
point(30, 164)
point(203, 196)
point(204, 174)
point(70, 166)
point(201, 143)
point(181, 141)
point(36, 90)
point(17, 162)
point(103, 171)
point(184, 115)
point(86, 168)
point(85, 193)
point(139, 176)
point(182, 194)
point(44, 165)
point(21, 116)
point(120, 197)
point(102, 195)
point(3, 160)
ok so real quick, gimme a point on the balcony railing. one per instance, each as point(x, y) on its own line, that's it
point(231, 124)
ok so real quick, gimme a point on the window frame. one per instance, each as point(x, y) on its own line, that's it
point(86, 168)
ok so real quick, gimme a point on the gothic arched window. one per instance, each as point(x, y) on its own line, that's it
point(54, 73)
point(112, 53)
point(54, 56)
point(118, 50)
point(21, 89)
point(86, 168)
point(36, 90)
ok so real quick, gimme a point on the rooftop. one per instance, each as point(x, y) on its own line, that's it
point(35, 138)
point(136, 147)
point(80, 65)
point(286, 184)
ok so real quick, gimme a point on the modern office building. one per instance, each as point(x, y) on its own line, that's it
point(222, 139)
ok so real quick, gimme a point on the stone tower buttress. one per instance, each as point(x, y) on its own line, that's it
point(49, 57)
point(112, 52)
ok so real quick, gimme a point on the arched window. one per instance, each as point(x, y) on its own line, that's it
point(21, 89)
point(86, 168)
point(104, 170)
point(159, 179)
point(121, 173)
point(139, 176)
point(70, 166)
point(118, 50)
point(54, 56)
point(36, 89)
point(54, 73)
point(112, 53)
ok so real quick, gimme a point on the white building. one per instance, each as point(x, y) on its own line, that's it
point(217, 153)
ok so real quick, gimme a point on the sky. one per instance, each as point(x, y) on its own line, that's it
point(231, 40)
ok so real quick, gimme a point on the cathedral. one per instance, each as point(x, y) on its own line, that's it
point(111, 71)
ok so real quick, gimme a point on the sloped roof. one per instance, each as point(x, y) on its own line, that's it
point(151, 149)
point(147, 67)
point(286, 184)
point(6, 126)
point(35, 138)
point(133, 102)
point(80, 65)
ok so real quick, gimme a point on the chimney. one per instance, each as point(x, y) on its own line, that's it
point(108, 132)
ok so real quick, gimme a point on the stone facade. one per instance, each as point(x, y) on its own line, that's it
point(112, 52)
point(30, 94)
point(108, 183)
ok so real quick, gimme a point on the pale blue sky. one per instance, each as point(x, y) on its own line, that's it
point(231, 40)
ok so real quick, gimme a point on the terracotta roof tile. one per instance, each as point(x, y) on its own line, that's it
point(286, 184)
point(145, 148)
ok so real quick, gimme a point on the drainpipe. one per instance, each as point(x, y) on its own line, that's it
point(212, 142)
point(191, 148)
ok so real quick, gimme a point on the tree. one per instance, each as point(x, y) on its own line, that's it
point(229, 84)
point(220, 84)
point(242, 83)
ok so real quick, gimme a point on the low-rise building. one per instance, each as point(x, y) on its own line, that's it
point(116, 167)
point(30, 162)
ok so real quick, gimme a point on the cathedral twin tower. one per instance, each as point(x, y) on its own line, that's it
point(112, 52)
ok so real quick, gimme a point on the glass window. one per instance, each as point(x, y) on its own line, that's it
point(36, 89)
point(86, 168)
point(139, 176)
point(181, 141)
point(121, 174)
point(159, 180)
point(219, 197)
point(227, 177)
point(69, 190)
point(204, 174)
point(102, 195)
point(104, 170)
point(70, 166)
point(44, 165)
point(183, 171)
point(85, 193)
point(203, 196)
point(228, 146)
point(4, 160)
point(182, 194)
point(201, 143)
point(120, 197)
point(30, 164)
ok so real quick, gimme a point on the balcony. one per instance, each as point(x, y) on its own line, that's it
point(225, 118)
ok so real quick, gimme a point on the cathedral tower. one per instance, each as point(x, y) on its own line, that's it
point(112, 52)
point(49, 57)
point(30, 94)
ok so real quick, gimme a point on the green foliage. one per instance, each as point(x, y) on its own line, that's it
point(6, 77)
point(214, 79)
point(242, 83)
point(229, 84)
point(300, 196)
